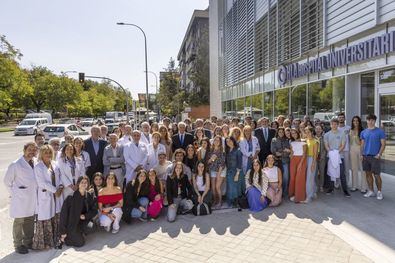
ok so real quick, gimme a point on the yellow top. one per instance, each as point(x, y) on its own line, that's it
point(310, 146)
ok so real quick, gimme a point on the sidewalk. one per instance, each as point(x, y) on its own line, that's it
point(330, 229)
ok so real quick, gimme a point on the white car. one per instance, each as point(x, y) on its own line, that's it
point(60, 130)
point(31, 126)
point(87, 122)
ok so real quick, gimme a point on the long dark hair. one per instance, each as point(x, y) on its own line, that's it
point(360, 128)
point(173, 174)
point(204, 171)
point(252, 171)
point(157, 183)
point(115, 178)
point(227, 148)
point(93, 186)
point(136, 183)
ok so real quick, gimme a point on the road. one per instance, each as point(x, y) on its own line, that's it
point(11, 147)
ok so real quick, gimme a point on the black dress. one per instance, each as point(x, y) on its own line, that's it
point(70, 223)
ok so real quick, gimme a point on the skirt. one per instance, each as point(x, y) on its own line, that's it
point(46, 233)
point(154, 208)
point(254, 200)
point(274, 194)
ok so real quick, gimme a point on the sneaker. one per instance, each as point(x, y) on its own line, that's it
point(353, 189)
point(347, 194)
point(379, 195)
point(21, 250)
point(143, 219)
point(114, 231)
point(107, 228)
point(321, 189)
point(363, 191)
point(329, 192)
point(292, 199)
point(152, 219)
point(369, 194)
point(305, 201)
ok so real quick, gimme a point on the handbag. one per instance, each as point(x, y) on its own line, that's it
point(242, 201)
point(201, 209)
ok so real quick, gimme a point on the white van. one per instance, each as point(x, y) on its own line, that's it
point(31, 126)
point(37, 115)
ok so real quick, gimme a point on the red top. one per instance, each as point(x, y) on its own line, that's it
point(110, 199)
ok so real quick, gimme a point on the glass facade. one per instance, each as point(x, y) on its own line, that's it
point(367, 95)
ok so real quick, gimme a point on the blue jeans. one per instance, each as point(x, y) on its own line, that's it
point(311, 187)
point(137, 213)
point(285, 172)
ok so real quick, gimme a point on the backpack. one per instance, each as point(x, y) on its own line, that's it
point(201, 209)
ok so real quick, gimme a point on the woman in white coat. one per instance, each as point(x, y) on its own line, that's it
point(70, 169)
point(249, 148)
point(48, 193)
point(80, 153)
point(22, 187)
point(154, 148)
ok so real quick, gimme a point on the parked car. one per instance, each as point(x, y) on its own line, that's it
point(67, 121)
point(60, 130)
point(112, 126)
point(389, 129)
point(87, 122)
point(37, 115)
point(31, 126)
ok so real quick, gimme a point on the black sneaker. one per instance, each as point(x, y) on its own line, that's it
point(329, 192)
point(347, 194)
point(21, 250)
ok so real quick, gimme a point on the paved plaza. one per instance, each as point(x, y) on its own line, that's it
point(331, 229)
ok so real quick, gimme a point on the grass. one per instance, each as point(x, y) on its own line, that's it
point(6, 129)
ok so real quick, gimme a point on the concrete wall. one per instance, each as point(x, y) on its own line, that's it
point(215, 99)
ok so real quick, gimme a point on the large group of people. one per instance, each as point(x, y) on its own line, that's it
point(59, 193)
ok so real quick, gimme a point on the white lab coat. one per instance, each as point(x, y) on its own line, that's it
point(47, 204)
point(125, 140)
point(144, 139)
point(86, 160)
point(134, 156)
point(153, 159)
point(244, 150)
point(66, 177)
point(334, 164)
point(22, 186)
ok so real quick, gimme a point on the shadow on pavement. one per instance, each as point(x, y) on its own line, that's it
point(368, 215)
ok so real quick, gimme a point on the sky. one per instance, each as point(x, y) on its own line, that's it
point(82, 35)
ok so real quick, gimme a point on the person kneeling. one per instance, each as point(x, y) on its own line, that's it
point(76, 214)
point(256, 187)
point(155, 195)
point(110, 201)
point(136, 198)
point(273, 173)
point(179, 192)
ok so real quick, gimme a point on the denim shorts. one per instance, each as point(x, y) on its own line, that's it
point(213, 174)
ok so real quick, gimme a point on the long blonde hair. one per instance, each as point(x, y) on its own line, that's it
point(43, 149)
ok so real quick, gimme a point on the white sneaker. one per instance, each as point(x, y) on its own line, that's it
point(369, 194)
point(114, 231)
point(292, 199)
point(107, 228)
point(379, 195)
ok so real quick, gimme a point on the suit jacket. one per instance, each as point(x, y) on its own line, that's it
point(188, 139)
point(264, 144)
point(110, 160)
point(96, 160)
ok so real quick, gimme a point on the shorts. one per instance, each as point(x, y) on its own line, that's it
point(213, 174)
point(371, 164)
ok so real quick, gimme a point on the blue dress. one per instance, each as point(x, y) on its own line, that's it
point(234, 189)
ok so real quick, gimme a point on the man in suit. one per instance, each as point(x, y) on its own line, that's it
point(113, 159)
point(182, 139)
point(265, 136)
point(95, 148)
point(136, 156)
point(199, 123)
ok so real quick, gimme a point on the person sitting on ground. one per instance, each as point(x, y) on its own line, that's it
point(273, 173)
point(155, 195)
point(256, 187)
point(178, 189)
point(136, 198)
point(110, 201)
point(201, 185)
point(77, 212)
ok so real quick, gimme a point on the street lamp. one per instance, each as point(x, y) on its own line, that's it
point(64, 73)
point(146, 64)
point(156, 90)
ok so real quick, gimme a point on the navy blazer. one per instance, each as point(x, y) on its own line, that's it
point(265, 145)
point(96, 160)
point(188, 139)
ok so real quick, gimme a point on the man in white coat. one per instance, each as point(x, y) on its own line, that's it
point(146, 136)
point(136, 155)
point(127, 137)
point(21, 184)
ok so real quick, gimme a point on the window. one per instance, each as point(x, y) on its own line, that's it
point(326, 98)
point(387, 76)
point(257, 106)
point(268, 104)
point(298, 101)
point(282, 100)
point(367, 95)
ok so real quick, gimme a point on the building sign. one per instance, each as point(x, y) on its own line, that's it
point(370, 48)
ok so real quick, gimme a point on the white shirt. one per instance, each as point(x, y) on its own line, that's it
point(271, 173)
point(297, 148)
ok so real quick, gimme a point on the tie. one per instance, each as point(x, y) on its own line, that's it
point(265, 129)
point(31, 163)
point(182, 139)
point(137, 144)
